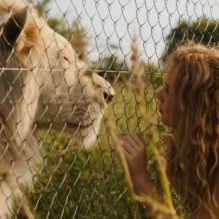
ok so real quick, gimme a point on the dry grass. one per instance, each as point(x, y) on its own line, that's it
point(137, 86)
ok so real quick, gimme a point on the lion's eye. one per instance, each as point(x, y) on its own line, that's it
point(66, 59)
point(65, 62)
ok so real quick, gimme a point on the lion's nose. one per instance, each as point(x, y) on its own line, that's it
point(108, 96)
point(108, 93)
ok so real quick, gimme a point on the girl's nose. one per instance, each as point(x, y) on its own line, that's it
point(158, 95)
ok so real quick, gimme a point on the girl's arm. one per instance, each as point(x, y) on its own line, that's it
point(134, 150)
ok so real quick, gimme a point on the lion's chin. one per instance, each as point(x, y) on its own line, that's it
point(85, 133)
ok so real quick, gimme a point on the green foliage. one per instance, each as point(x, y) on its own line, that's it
point(113, 69)
point(203, 31)
point(81, 184)
point(156, 80)
point(116, 70)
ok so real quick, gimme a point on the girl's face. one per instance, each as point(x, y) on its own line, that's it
point(164, 98)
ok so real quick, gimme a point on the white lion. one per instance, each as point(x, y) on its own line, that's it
point(42, 85)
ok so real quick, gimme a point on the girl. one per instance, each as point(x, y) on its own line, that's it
point(189, 105)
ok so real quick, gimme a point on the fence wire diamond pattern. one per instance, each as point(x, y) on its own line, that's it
point(71, 75)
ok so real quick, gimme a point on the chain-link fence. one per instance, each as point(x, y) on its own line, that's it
point(53, 100)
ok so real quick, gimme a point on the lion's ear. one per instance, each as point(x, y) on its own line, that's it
point(12, 29)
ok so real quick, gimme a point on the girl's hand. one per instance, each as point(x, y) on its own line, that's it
point(134, 150)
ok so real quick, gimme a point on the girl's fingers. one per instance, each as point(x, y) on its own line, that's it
point(133, 146)
point(128, 147)
point(124, 152)
point(136, 140)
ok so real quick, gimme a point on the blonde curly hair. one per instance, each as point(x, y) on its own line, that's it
point(195, 96)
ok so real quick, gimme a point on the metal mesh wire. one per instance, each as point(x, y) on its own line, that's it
point(51, 96)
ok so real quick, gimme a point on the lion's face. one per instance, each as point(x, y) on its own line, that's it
point(57, 90)
point(72, 97)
